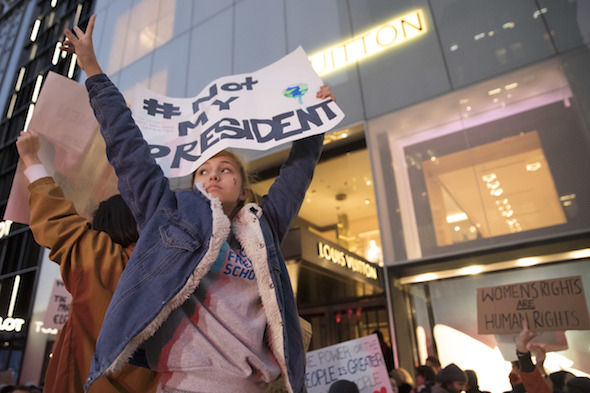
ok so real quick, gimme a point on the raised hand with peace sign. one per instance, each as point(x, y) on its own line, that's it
point(80, 43)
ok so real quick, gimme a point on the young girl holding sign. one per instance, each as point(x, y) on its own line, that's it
point(206, 299)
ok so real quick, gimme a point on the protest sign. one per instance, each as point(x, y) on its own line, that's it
point(546, 305)
point(72, 150)
point(256, 111)
point(58, 307)
point(360, 361)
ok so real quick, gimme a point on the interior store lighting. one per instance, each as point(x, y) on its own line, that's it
point(470, 270)
point(511, 86)
point(457, 217)
point(426, 277)
point(538, 13)
point(529, 261)
point(535, 166)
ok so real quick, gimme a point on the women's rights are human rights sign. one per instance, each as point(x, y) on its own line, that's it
point(257, 111)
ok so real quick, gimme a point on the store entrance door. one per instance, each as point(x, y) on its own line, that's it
point(336, 323)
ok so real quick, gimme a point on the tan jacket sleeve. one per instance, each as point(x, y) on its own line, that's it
point(56, 225)
point(534, 382)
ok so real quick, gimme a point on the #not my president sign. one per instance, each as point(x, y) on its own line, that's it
point(359, 361)
point(257, 111)
point(546, 305)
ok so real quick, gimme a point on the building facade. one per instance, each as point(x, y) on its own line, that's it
point(460, 163)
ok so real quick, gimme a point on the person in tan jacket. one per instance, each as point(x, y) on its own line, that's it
point(91, 258)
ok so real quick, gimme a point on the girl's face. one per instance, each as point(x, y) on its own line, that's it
point(221, 178)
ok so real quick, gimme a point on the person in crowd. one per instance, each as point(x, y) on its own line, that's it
point(578, 385)
point(559, 381)
point(387, 351)
point(450, 379)
point(538, 351)
point(434, 363)
point(184, 315)
point(403, 380)
point(343, 386)
point(515, 379)
point(472, 385)
point(91, 257)
point(425, 379)
point(532, 379)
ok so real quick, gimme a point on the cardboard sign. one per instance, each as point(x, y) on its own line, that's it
point(58, 307)
point(258, 111)
point(72, 150)
point(359, 361)
point(546, 305)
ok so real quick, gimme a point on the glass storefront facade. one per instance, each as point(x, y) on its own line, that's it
point(474, 117)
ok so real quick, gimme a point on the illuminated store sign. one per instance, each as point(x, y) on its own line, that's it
point(11, 324)
point(378, 39)
point(348, 261)
point(40, 329)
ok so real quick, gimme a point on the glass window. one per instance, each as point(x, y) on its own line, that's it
point(110, 29)
point(481, 38)
point(454, 326)
point(568, 22)
point(258, 41)
point(409, 71)
point(209, 58)
point(327, 23)
point(501, 162)
point(203, 9)
point(141, 31)
point(170, 67)
point(340, 202)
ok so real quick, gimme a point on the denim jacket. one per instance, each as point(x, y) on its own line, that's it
point(180, 237)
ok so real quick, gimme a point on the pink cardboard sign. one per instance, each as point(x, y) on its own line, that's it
point(72, 150)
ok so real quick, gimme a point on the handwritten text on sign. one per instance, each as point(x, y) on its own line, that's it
point(257, 111)
point(546, 305)
point(360, 361)
point(58, 307)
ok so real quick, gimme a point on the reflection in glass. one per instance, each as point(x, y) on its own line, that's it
point(490, 190)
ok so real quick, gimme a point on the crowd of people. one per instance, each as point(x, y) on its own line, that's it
point(525, 376)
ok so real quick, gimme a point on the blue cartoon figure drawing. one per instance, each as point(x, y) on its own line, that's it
point(296, 91)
